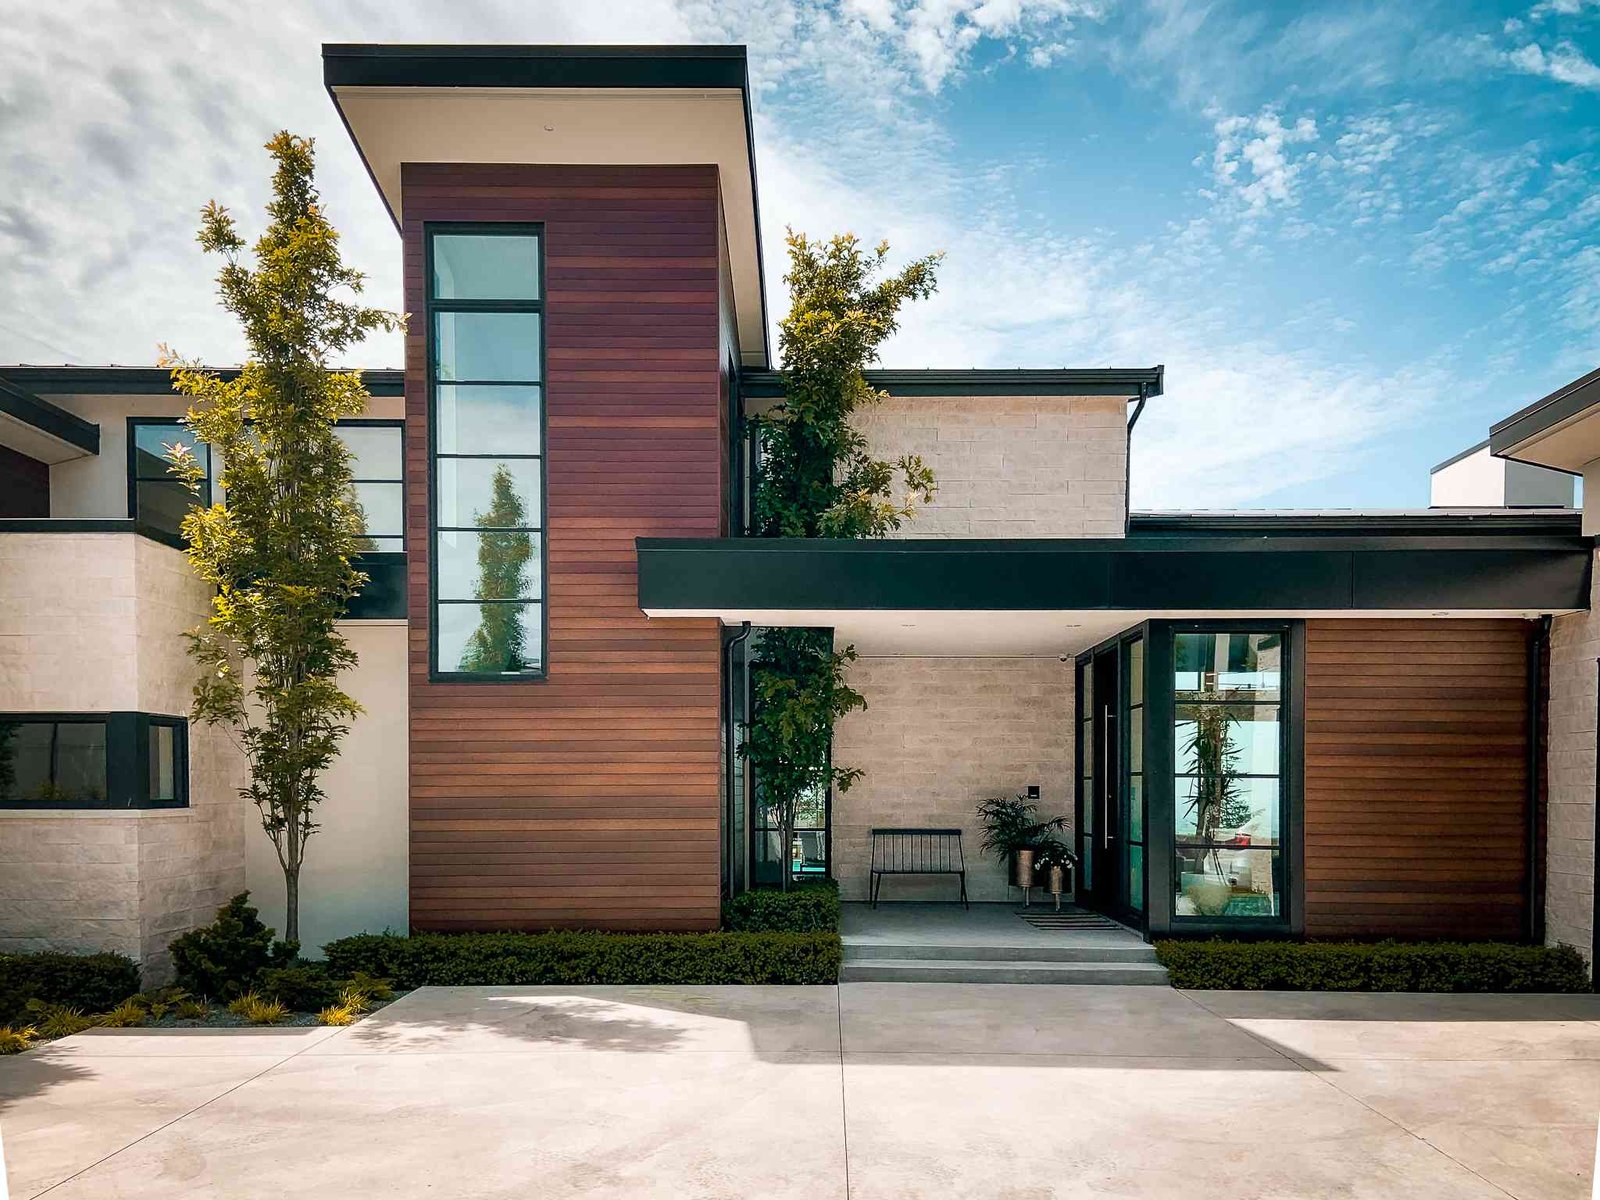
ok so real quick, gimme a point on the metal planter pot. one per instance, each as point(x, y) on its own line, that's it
point(1022, 868)
point(1058, 880)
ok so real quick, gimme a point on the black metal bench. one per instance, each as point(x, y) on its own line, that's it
point(916, 852)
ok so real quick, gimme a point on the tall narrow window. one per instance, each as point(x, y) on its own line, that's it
point(486, 374)
point(376, 470)
point(1228, 798)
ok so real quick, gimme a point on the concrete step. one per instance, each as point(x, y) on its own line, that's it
point(977, 970)
point(1070, 952)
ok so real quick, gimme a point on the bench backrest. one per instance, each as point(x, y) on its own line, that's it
point(917, 851)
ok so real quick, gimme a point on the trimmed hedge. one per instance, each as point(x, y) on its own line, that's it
point(1373, 966)
point(92, 982)
point(495, 959)
point(810, 908)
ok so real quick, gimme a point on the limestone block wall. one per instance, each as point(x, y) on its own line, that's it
point(1569, 844)
point(1011, 466)
point(91, 623)
point(939, 735)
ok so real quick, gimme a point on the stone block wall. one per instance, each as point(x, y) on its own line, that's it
point(939, 735)
point(92, 623)
point(1569, 843)
point(1011, 466)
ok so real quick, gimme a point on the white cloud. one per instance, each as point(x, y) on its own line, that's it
point(1560, 8)
point(1254, 162)
point(1564, 63)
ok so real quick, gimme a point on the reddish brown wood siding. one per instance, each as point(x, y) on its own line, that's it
point(1416, 789)
point(589, 798)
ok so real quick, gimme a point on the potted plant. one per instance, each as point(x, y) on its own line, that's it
point(1053, 857)
point(1012, 832)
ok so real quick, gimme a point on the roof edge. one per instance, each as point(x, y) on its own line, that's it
point(1048, 381)
point(1567, 401)
point(48, 419)
point(69, 380)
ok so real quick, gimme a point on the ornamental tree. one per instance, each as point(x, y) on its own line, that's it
point(279, 550)
point(818, 479)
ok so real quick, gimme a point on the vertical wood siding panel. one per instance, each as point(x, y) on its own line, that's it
point(588, 799)
point(1416, 789)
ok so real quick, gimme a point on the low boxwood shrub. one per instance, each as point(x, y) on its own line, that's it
point(582, 957)
point(1373, 966)
point(810, 908)
point(90, 982)
point(223, 960)
point(303, 987)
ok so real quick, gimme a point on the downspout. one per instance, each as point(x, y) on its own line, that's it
point(1127, 461)
point(730, 743)
point(1539, 643)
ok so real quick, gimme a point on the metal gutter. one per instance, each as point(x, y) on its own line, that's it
point(154, 381)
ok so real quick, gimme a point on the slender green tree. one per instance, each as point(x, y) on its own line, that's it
point(499, 643)
point(820, 480)
point(279, 550)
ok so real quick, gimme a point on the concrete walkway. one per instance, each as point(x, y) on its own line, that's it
point(865, 1090)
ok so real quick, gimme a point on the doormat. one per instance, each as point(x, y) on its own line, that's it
point(1077, 918)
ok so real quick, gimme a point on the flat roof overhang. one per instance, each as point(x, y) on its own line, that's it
point(41, 430)
point(154, 381)
point(568, 105)
point(1560, 431)
point(1062, 595)
point(1128, 382)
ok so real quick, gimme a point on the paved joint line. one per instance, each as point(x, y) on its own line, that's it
point(184, 1115)
point(1322, 1077)
point(844, 1114)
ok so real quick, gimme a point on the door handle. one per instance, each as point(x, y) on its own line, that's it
point(1107, 782)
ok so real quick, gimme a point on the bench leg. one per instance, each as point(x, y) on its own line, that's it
point(872, 889)
point(964, 903)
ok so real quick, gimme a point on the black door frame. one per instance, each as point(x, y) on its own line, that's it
point(1109, 830)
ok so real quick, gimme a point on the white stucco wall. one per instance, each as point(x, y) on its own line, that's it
point(356, 869)
point(92, 623)
point(1010, 466)
point(939, 735)
point(1569, 843)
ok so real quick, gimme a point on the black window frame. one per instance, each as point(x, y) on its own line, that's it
point(383, 423)
point(135, 479)
point(127, 765)
point(431, 308)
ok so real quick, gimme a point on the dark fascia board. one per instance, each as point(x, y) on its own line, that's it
point(1066, 381)
point(347, 64)
point(1513, 522)
point(424, 65)
point(1147, 574)
point(89, 525)
point(1561, 405)
point(154, 381)
point(48, 418)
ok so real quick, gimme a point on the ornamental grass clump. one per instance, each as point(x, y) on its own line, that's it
point(259, 1010)
point(16, 1040)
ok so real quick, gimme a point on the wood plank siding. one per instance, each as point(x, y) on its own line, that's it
point(1416, 778)
point(589, 798)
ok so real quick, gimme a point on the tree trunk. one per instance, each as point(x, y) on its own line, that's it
point(291, 904)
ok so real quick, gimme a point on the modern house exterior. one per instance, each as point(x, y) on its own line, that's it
point(565, 602)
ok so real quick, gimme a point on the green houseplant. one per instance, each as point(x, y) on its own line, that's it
point(1013, 833)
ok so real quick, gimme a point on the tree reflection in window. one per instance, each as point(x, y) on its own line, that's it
point(499, 643)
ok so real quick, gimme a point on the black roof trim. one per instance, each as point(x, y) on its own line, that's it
point(425, 65)
point(1147, 574)
point(48, 418)
point(1063, 381)
point(347, 64)
point(1458, 456)
point(90, 525)
point(154, 381)
point(1442, 523)
point(1560, 405)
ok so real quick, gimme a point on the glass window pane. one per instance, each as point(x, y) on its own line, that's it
point(53, 763)
point(80, 761)
point(1245, 811)
point(25, 752)
point(487, 420)
point(489, 639)
point(1136, 808)
point(1136, 740)
point(374, 450)
point(487, 493)
point(163, 504)
point(382, 508)
point(487, 566)
point(163, 762)
point(1086, 676)
point(1136, 671)
point(1213, 663)
point(383, 545)
point(474, 266)
point(1136, 878)
point(1240, 739)
point(152, 443)
point(487, 346)
point(1229, 882)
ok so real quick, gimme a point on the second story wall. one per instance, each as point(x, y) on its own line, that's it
point(1011, 466)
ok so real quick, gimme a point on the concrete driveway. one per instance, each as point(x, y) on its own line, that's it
point(866, 1090)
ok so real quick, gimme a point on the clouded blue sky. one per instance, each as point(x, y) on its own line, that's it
point(1356, 234)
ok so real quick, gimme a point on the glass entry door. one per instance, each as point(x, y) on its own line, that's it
point(1110, 805)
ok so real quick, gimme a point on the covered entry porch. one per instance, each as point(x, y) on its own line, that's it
point(1296, 728)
